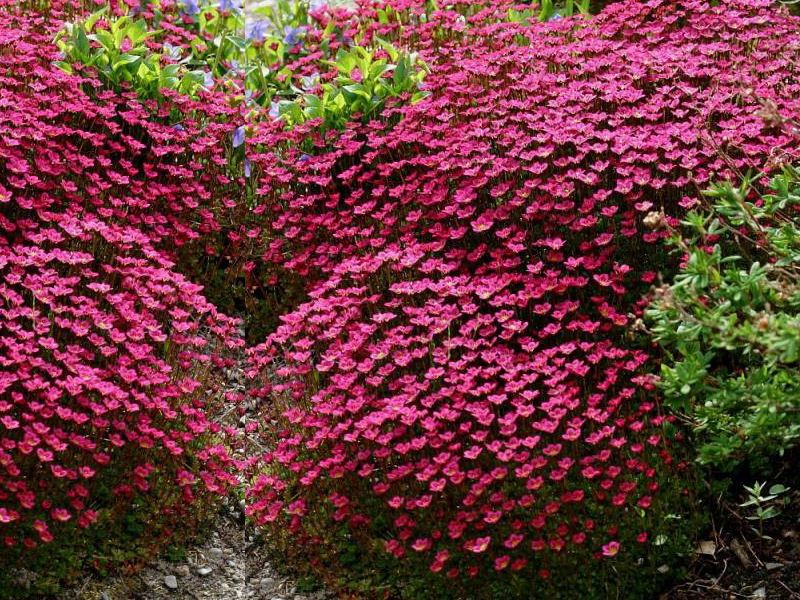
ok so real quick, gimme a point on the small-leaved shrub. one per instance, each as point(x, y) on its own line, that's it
point(728, 321)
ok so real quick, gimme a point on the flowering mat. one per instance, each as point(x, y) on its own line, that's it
point(354, 295)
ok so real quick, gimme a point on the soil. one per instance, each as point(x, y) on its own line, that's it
point(735, 560)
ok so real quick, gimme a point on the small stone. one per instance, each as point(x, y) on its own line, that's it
point(204, 571)
point(773, 566)
point(216, 552)
point(760, 593)
point(663, 569)
point(104, 596)
point(182, 571)
point(707, 547)
point(171, 582)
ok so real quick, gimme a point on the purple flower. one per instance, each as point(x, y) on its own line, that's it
point(274, 110)
point(229, 5)
point(190, 7)
point(238, 136)
point(308, 82)
point(292, 35)
point(247, 167)
point(257, 30)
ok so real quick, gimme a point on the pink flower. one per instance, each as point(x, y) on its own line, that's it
point(478, 545)
point(60, 514)
point(611, 549)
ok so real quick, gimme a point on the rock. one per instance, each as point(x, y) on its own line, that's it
point(171, 582)
point(216, 552)
point(706, 547)
point(773, 566)
point(104, 596)
point(663, 569)
point(182, 571)
point(760, 593)
point(203, 571)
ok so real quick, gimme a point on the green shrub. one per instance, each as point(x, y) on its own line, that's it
point(729, 322)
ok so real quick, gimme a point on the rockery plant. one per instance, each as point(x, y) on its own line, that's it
point(459, 391)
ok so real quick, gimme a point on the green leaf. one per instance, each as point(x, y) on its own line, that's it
point(126, 59)
point(81, 42)
point(105, 39)
point(137, 32)
point(400, 72)
point(64, 66)
point(119, 30)
point(358, 90)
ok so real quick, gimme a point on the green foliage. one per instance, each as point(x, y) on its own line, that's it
point(269, 52)
point(362, 85)
point(729, 322)
point(764, 505)
point(120, 54)
point(124, 50)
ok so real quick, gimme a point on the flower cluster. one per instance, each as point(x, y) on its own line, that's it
point(109, 358)
point(458, 383)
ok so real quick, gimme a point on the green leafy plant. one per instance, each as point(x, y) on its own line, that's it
point(364, 81)
point(728, 322)
point(119, 52)
point(764, 505)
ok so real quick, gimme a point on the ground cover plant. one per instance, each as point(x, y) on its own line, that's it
point(458, 391)
point(439, 225)
point(110, 359)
